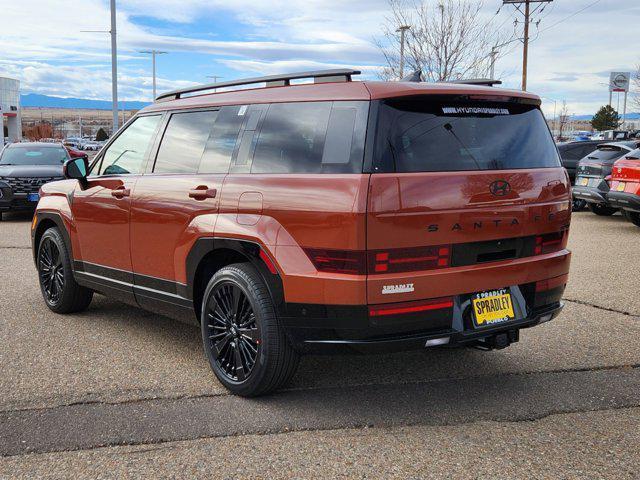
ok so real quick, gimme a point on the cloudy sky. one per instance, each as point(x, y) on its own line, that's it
point(577, 43)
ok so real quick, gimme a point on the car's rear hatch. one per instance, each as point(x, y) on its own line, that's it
point(469, 189)
point(598, 164)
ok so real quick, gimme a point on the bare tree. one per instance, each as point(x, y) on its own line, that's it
point(450, 40)
point(563, 119)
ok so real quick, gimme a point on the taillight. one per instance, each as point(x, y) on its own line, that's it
point(409, 259)
point(549, 242)
point(338, 261)
point(411, 307)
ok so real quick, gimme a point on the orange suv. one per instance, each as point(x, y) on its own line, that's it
point(329, 215)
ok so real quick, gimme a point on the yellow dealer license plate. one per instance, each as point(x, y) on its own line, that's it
point(621, 186)
point(584, 181)
point(493, 307)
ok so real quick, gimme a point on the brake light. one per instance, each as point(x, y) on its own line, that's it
point(550, 242)
point(411, 307)
point(409, 259)
point(338, 261)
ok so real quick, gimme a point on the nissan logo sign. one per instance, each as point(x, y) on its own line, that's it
point(500, 188)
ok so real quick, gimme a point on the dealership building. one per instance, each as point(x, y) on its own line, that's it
point(10, 109)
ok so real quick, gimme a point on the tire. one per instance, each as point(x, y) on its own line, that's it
point(59, 289)
point(602, 210)
point(578, 205)
point(633, 217)
point(246, 347)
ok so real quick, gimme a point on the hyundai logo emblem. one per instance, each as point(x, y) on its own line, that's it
point(500, 188)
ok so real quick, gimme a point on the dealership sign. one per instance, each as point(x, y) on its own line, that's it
point(619, 81)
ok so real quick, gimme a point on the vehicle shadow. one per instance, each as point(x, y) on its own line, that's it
point(315, 371)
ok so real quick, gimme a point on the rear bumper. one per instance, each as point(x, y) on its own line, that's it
point(590, 194)
point(625, 201)
point(320, 329)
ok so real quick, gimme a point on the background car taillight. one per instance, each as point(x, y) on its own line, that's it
point(549, 242)
point(338, 261)
point(409, 259)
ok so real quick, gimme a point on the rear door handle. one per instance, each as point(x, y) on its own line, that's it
point(121, 192)
point(202, 192)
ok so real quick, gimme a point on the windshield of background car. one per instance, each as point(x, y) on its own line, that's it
point(606, 154)
point(422, 135)
point(34, 156)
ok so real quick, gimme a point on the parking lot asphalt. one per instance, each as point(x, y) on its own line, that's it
point(116, 390)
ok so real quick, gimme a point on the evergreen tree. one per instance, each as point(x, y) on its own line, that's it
point(101, 135)
point(605, 119)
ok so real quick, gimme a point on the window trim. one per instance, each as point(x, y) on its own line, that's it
point(97, 162)
point(155, 149)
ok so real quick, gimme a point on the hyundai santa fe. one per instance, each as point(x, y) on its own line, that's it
point(334, 215)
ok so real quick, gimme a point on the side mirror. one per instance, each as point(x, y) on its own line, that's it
point(76, 168)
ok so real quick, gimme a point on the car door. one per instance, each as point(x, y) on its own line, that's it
point(181, 189)
point(101, 208)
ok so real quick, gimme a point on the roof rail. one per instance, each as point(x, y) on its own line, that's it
point(319, 76)
point(477, 81)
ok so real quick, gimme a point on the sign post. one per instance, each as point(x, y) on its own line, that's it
point(619, 82)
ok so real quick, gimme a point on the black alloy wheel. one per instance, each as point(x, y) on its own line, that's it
point(233, 332)
point(51, 271)
point(633, 217)
point(243, 340)
point(578, 205)
point(602, 209)
point(60, 291)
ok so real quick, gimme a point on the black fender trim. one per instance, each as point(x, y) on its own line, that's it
point(246, 248)
point(37, 232)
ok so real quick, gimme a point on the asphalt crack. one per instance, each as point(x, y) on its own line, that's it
point(600, 307)
point(353, 386)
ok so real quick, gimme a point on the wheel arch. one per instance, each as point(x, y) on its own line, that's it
point(209, 255)
point(44, 221)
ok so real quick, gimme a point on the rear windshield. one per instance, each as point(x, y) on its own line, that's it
point(606, 153)
point(33, 156)
point(418, 135)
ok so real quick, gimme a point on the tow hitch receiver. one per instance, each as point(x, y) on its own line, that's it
point(498, 341)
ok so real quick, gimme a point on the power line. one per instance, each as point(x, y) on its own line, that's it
point(570, 16)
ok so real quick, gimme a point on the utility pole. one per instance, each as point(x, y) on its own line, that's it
point(492, 69)
point(402, 29)
point(527, 13)
point(215, 80)
point(153, 54)
point(114, 67)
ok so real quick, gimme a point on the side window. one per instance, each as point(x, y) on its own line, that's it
point(222, 141)
point(344, 143)
point(312, 137)
point(292, 138)
point(127, 154)
point(184, 142)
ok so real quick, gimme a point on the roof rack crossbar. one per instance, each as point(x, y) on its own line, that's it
point(477, 81)
point(318, 76)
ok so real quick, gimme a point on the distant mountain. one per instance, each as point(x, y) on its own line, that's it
point(38, 100)
point(630, 116)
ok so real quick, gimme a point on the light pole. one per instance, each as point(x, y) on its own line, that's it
point(153, 54)
point(114, 67)
point(492, 69)
point(215, 80)
point(114, 63)
point(402, 29)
